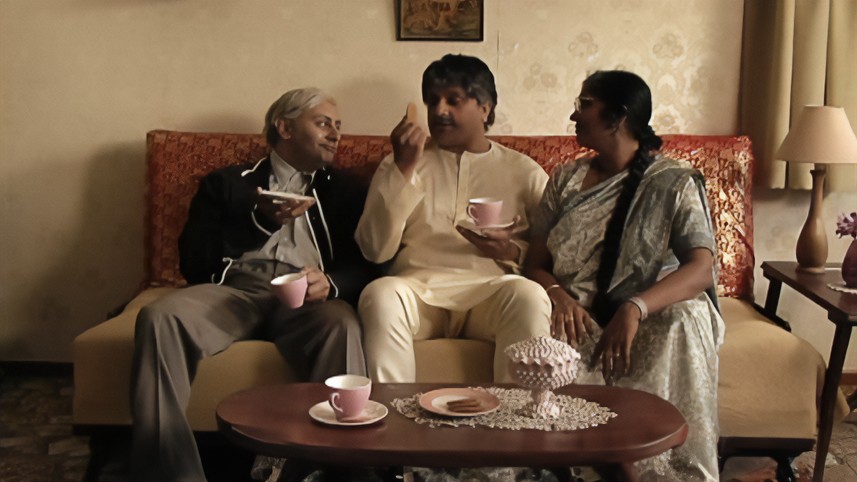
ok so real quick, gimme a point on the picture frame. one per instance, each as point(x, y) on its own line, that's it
point(440, 20)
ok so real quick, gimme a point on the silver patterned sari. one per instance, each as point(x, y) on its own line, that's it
point(674, 354)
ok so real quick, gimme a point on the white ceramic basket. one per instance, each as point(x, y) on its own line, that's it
point(542, 364)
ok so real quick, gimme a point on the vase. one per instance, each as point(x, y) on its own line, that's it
point(849, 265)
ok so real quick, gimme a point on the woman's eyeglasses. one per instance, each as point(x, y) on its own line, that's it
point(583, 102)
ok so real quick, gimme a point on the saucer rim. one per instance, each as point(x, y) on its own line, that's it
point(324, 406)
point(286, 195)
point(470, 225)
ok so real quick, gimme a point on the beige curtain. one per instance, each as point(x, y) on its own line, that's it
point(795, 53)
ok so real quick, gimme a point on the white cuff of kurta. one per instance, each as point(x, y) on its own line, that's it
point(522, 252)
point(514, 266)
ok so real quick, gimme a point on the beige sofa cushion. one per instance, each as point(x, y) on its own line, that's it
point(102, 371)
point(102, 366)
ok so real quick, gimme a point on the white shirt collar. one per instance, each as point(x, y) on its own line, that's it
point(283, 174)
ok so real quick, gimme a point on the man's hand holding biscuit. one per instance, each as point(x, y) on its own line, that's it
point(408, 140)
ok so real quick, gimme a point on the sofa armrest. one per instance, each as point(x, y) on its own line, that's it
point(770, 380)
point(102, 371)
point(102, 366)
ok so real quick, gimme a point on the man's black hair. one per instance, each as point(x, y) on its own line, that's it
point(469, 73)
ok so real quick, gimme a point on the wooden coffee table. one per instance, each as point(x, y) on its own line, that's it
point(274, 420)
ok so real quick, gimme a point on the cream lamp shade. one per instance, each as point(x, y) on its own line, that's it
point(821, 135)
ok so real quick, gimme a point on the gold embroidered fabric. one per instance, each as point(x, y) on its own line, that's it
point(177, 160)
point(576, 413)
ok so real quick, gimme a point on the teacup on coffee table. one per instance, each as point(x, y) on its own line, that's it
point(349, 396)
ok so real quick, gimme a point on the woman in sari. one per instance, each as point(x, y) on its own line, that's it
point(624, 246)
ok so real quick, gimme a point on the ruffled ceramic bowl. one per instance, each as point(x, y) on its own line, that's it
point(542, 364)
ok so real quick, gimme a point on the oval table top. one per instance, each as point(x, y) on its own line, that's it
point(274, 420)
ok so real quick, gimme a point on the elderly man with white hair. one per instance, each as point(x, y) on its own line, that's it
point(235, 242)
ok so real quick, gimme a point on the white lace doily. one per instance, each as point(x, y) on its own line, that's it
point(576, 413)
point(841, 287)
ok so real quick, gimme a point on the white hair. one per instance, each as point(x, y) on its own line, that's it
point(290, 106)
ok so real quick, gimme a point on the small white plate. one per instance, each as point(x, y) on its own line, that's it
point(323, 412)
point(469, 225)
point(277, 196)
point(435, 401)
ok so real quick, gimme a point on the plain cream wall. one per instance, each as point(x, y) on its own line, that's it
point(82, 81)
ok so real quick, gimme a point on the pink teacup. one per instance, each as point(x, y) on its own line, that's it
point(485, 211)
point(349, 397)
point(290, 289)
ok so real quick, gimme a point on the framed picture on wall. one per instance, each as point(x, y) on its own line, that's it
point(447, 20)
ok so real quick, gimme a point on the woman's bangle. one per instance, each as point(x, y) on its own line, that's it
point(552, 287)
point(641, 305)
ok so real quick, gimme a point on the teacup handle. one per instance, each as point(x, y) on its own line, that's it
point(470, 213)
point(334, 402)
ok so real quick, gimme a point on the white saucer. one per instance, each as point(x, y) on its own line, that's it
point(469, 225)
point(323, 412)
point(279, 196)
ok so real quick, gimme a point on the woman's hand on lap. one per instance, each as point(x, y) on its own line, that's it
point(568, 318)
point(614, 346)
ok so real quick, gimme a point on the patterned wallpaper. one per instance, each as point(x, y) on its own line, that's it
point(690, 59)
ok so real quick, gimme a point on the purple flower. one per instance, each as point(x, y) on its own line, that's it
point(847, 225)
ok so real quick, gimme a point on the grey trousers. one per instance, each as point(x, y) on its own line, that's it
point(175, 332)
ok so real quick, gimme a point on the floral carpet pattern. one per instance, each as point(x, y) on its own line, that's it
point(36, 440)
point(37, 443)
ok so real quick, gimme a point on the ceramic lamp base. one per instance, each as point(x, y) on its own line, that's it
point(811, 249)
point(810, 270)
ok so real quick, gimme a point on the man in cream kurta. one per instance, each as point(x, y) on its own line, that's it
point(446, 280)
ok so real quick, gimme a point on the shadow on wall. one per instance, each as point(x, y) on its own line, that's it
point(92, 266)
point(230, 122)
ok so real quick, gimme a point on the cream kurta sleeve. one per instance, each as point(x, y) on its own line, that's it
point(389, 203)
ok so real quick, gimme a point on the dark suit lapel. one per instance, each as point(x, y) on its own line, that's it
point(259, 174)
point(318, 214)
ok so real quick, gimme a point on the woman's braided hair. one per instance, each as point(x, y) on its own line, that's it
point(625, 95)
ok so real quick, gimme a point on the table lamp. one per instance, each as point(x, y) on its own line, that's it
point(821, 135)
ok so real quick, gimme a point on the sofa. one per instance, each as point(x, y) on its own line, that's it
point(770, 380)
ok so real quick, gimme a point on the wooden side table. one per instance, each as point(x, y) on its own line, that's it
point(842, 311)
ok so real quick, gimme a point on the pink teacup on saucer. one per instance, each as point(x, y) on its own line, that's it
point(485, 211)
point(349, 397)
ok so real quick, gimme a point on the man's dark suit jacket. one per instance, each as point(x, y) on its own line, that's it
point(220, 225)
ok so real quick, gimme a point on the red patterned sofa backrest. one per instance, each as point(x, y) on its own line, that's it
point(177, 160)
